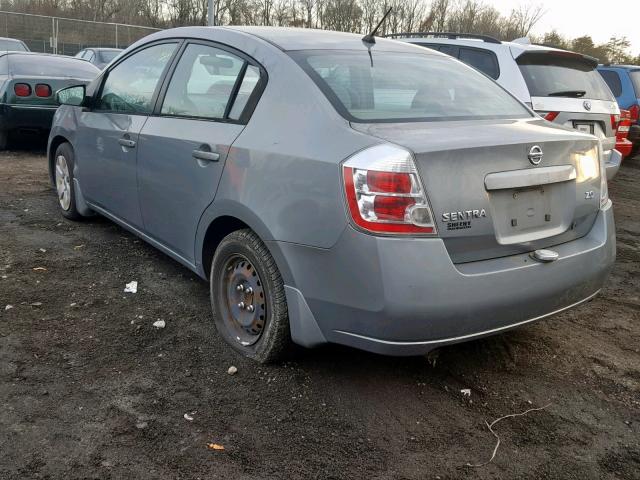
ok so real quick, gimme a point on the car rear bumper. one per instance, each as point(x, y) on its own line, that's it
point(404, 296)
point(13, 117)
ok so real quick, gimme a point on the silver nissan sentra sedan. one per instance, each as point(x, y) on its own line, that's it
point(333, 190)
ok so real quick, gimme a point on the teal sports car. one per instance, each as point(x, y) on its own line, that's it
point(28, 83)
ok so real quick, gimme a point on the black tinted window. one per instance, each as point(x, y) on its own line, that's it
point(51, 66)
point(635, 79)
point(484, 61)
point(562, 75)
point(613, 81)
point(130, 86)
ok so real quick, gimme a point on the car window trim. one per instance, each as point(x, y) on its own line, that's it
point(491, 53)
point(251, 103)
point(178, 41)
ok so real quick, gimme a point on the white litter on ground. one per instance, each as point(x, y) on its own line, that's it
point(232, 370)
point(159, 324)
point(466, 392)
point(131, 287)
point(188, 417)
point(8, 307)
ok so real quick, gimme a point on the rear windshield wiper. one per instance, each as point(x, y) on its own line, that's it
point(568, 93)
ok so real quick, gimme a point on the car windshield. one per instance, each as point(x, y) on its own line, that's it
point(12, 46)
point(635, 79)
point(107, 55)
point(51, 66)
point(562, 75)
point(406, 87)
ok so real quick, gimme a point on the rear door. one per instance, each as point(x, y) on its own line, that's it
point(566, 88)
point(183, 147)
point(107, 135)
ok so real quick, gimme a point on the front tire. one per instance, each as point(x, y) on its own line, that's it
point(248, 298)
point(63, 177)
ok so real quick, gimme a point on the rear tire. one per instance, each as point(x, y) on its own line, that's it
point(63, 163)
point(248, 298)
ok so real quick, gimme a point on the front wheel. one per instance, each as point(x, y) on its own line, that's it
point(248, 299)
point(63, 177)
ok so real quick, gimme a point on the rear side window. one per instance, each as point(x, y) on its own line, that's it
point(406, 87)
point(206, 81)
point(562, 75)
point(12, 46)
point(482, 60)
point(612, 79)
point(51, 66)
point(130, 86)
point(635, 79)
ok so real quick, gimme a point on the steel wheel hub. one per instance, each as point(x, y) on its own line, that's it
point(244, 300)
point(63, 182)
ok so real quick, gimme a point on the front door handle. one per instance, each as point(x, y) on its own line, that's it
point(206, 156)
point(125, 142)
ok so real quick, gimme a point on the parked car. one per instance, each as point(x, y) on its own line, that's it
point(561, 86)
point(624, 82)
point(28, 82)
point(100, 57)
point(12, 45)
point(382, 196)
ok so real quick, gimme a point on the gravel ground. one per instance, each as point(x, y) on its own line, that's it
point(90, 389)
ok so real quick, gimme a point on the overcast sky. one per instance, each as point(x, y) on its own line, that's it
point(601, 19)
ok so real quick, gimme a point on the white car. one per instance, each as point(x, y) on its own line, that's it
point(561, 86)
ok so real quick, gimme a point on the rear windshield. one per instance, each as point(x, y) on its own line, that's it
point(552, 75)
point(406, 87)
point(635, 79)
point(107, 55)
point(12, 46)
point(44, 66)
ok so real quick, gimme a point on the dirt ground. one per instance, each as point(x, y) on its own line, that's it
point(89, 389)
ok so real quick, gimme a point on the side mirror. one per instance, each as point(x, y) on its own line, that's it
point(73, 96)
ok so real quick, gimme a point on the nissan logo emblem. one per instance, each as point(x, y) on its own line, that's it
point(535, 155)
point(587, 105)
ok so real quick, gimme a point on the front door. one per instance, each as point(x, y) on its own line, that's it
point(108, 133)
point(183, 148)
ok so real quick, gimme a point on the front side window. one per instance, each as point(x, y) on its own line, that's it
point(550, 74)
point(130, 86)
point(484, 61)
point(205, 82)
point(395, 87)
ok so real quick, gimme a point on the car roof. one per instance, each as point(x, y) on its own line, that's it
point(9, 38)
point(287, 38)
point(625, 67)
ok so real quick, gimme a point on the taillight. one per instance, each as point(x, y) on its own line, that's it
point(615, 120)
point(551, 116)
point(43, 90)
point(384, 193)
point(624, 125)
point(22, 89)
point(634, 111)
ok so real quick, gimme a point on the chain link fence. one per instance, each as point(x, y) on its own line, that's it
point(66, 36)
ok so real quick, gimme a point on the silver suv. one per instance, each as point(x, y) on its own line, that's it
point(561, 86)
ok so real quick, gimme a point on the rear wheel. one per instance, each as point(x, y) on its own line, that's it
point(248, 299)
point(63, 176)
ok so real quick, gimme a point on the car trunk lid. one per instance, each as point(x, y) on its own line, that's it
point(488, 198)
point(33, 99)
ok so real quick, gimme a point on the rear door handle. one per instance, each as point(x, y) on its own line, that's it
point(127, 143)
point(206, 156)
